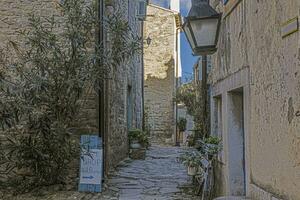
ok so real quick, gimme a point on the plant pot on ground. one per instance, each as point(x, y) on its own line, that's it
point(134, 144)
point(137, 136)
point(138, 143)
point(192, 171)
point(192, 160)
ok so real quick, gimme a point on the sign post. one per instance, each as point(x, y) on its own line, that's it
point(91, 168)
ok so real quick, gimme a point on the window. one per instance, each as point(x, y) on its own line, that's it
point(129, 107)
point(141, 11)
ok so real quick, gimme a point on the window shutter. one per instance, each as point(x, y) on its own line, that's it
point(141, 10)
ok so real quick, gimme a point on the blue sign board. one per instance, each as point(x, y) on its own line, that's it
point(91, 167)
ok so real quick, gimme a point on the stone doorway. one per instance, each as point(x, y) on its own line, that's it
point(236, 143)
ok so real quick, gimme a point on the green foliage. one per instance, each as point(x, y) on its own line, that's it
point(43, 82)
point(191, 140)
point(123, 41)
point(140, 136)
point(186, 94)
point(210, 146)
point(182, 124)
point(191, 159)
point(190, 95)
point(213, 140)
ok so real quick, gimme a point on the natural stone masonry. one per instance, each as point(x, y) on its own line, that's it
point(124, 95)
point(14, 18)
point(159, 74)
point(159, 177)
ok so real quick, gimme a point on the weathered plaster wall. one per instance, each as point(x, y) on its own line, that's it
point(250, 36)
point(159, 72)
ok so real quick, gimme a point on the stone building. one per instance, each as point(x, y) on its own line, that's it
point(256, 99)
point(119, 105)
point(161, 71)
point(123, 94)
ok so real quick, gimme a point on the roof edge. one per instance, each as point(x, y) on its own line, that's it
point(162, 8)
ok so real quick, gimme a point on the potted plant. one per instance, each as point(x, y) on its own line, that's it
point(210, 146)
point(138, 143)
point(181, 124)
point(191, 140)
point(192, 160)
point(138, 139)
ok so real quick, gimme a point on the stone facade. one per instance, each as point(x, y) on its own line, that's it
point(14, 17)
point(124, 98)
point(122, 91)
point(255, 100)
point(160, 72)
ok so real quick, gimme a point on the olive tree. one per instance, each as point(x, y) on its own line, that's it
point(43, 82)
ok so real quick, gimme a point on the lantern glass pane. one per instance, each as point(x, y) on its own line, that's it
point(189, 36)
point(205, 31)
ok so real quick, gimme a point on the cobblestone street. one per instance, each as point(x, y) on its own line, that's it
point(159, 177)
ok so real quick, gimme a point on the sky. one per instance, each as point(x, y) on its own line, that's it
point(187, 59)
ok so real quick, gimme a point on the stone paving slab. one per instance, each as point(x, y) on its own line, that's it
point(159, 177)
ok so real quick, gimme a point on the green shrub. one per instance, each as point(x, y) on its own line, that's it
point(191, 159)
point(210, 146)
point(140, 136)
point(191, 140)
point(43, 86)
point(213, 140)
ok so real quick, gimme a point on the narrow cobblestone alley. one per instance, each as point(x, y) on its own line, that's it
point(159, 177)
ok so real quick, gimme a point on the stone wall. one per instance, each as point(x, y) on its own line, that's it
point(13, 18)
point(159, 73)
point(124, 94)
point(251, 40)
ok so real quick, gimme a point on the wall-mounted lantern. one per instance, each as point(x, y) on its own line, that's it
point(201, 27)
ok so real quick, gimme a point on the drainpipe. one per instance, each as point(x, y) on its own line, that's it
point(101, 96)
point(204, 95)
point(143, 65)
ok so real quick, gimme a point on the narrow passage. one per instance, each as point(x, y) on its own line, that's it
point(159, 176)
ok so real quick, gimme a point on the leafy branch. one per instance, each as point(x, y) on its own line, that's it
point(44, 80)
